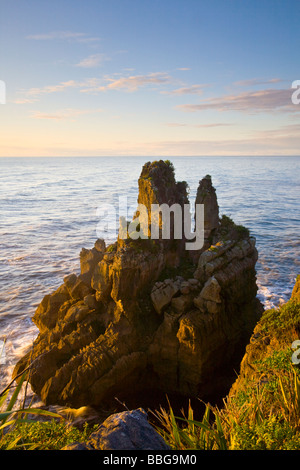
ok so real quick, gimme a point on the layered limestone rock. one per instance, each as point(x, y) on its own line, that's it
point(147, 314)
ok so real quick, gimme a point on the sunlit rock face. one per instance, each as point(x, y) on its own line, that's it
point(148, 314)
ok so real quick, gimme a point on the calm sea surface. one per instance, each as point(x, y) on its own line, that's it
point(48, 212)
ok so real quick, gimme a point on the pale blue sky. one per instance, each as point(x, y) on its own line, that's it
point(148, 77)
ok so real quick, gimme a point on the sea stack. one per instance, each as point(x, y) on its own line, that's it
point(145, 315)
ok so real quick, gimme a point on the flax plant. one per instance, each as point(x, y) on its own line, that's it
point(185, 433)
point(11, 416)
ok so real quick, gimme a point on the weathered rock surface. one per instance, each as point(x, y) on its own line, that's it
point(146, 314)
point(128, 430)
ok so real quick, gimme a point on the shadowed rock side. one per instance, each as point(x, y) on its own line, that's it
point(148, 314)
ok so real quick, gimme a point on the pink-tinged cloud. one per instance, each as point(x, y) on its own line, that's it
point(284, 140)
point(93, 60)
point(52, 88)
point(30, 95)
point(134, 82)
point(64, 114)
point(260, 101)
point(190, 90)
point(199, 126)
point(95, 85)
point(258, 81)
point(24, 100)
point(217, 124)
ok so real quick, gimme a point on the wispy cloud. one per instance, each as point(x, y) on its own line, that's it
point(284, 140)
point(131, 83)
point(288, 131)
point(176, 124)
point(64, 35)
point(199, 126)
point(64, 114)
point(268, 100)
point(24, 100)
point(94, 85)
point(52, 88)
point(258, 81)
point(214, 124)
point(91, 61)
point(32, 94)
point(190, 90)
point(134, 82)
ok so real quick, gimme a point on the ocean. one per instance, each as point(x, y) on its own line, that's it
point(49, 210)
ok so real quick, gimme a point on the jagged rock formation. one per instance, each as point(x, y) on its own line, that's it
point(147, 314)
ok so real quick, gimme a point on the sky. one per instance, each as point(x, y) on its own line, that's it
point(148, 77)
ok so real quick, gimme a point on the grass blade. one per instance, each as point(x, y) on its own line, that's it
point(3, 397)
point(15, 394)
point(221, 437)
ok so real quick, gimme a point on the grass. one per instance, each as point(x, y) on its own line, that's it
point(163, 166)
point(48, 435)
point(189, 434)
point(250, 422)
point(264, 410)
point(281, 320)
point(229, 229)
point(20, 431)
